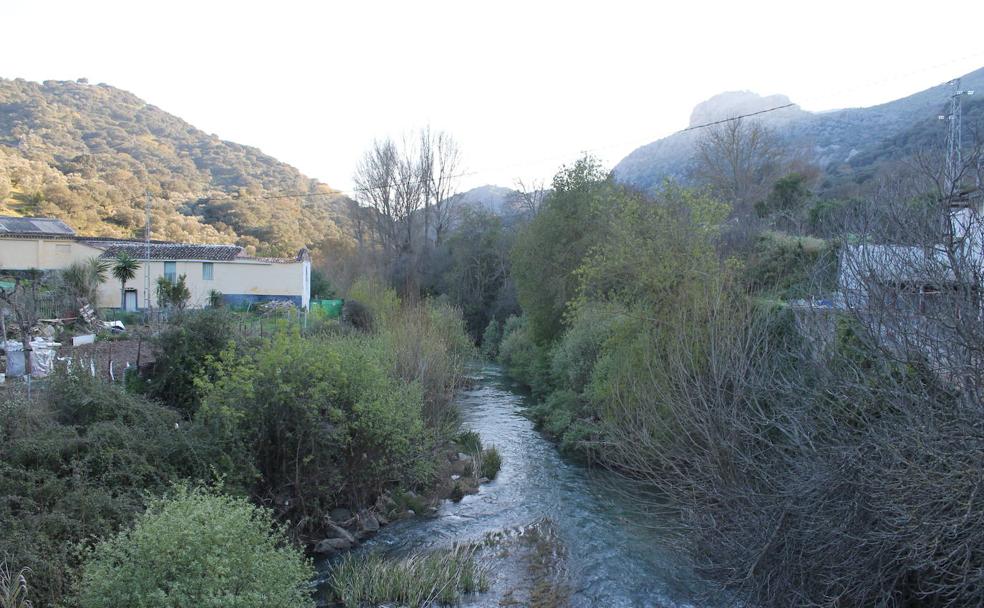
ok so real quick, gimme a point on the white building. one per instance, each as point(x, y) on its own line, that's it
point(49, 244)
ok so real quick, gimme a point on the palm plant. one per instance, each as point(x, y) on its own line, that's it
point(81, 280)
point(125, 269)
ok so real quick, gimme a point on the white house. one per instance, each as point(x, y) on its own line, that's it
point(49, 244)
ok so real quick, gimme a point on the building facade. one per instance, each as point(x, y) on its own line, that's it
point(48, 244)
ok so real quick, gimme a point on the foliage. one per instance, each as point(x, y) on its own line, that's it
point(321, 421)
point(491, 338)
point(321, 287)
point(419, 580)
point(80, 281)
point(183, 349)
point(788, 196)
point(427, 345)
point(215, 298)
point(523, 358)
point(196, 548)
point(550, 249)
point(478, 250)
point(174, 294)
point(791, 266)
point(75, 462)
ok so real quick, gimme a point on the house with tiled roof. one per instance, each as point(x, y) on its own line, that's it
point(49, 244)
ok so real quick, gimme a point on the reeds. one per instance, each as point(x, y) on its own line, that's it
point(436, 578)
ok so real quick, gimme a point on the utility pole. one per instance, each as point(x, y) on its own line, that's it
point(146, 264)
point(954, 134)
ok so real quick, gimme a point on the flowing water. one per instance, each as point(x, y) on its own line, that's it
point(614, 556)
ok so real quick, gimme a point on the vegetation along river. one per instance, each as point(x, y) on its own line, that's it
point(611, 555)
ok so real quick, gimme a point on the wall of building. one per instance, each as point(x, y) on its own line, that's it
point(240, 282)
point(45, 254)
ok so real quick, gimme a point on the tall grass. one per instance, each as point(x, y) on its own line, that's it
point(439, 577)
point(489, 463)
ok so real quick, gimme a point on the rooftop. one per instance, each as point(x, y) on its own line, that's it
point(34, 226)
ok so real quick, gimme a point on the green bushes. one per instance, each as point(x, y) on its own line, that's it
point(322, 422)
point(416, 581)
point(197, 549)
point(791, 267)
point(76, 461)
point(183, 348)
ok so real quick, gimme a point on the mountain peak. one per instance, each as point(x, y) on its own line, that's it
point(736, 103)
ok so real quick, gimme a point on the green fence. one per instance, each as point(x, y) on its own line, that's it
point(331, 308)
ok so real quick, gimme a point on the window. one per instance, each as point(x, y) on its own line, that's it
point(208, 271)
point(171, 271)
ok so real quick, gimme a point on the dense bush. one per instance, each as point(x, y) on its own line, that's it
point(194, 549)
point(322, 422)
point(791, 267)
point(183, 347)
point(76, 462)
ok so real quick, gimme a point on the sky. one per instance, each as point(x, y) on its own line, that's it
point(524, 87)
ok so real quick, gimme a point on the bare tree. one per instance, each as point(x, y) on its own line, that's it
point(739, 159)
point(22, 301)
point(408, 185)
point(530, 196)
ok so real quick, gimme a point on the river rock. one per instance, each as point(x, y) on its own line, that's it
point(334, 531)
point(464, 457)
point(368, 522)
point(330, 545)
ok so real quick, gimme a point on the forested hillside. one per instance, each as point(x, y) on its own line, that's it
point(88, 153)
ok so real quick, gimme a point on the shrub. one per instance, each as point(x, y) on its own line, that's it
point(491, 338)
point(197, 549)
point(427, 345)
point(322, 421)
point(76, 461)
point(183, 349)
point(469, 442)
point(523, 359)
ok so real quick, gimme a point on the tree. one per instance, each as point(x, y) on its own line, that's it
point(173, 294)
point(124, 269)
point(22, 300)
point(221, 551)
point(410, 188)
point(549, 250)
point(739, 159)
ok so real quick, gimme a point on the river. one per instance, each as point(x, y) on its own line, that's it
point(614, 556)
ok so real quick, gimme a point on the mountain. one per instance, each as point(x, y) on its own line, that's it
point(846, 143)
point(87, 154)
point(493, 199)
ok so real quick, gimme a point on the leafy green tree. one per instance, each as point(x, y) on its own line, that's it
point(548, 251)
point(125, 269)
point(194, 549)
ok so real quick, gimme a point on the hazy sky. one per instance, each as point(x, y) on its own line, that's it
point(523, 86)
